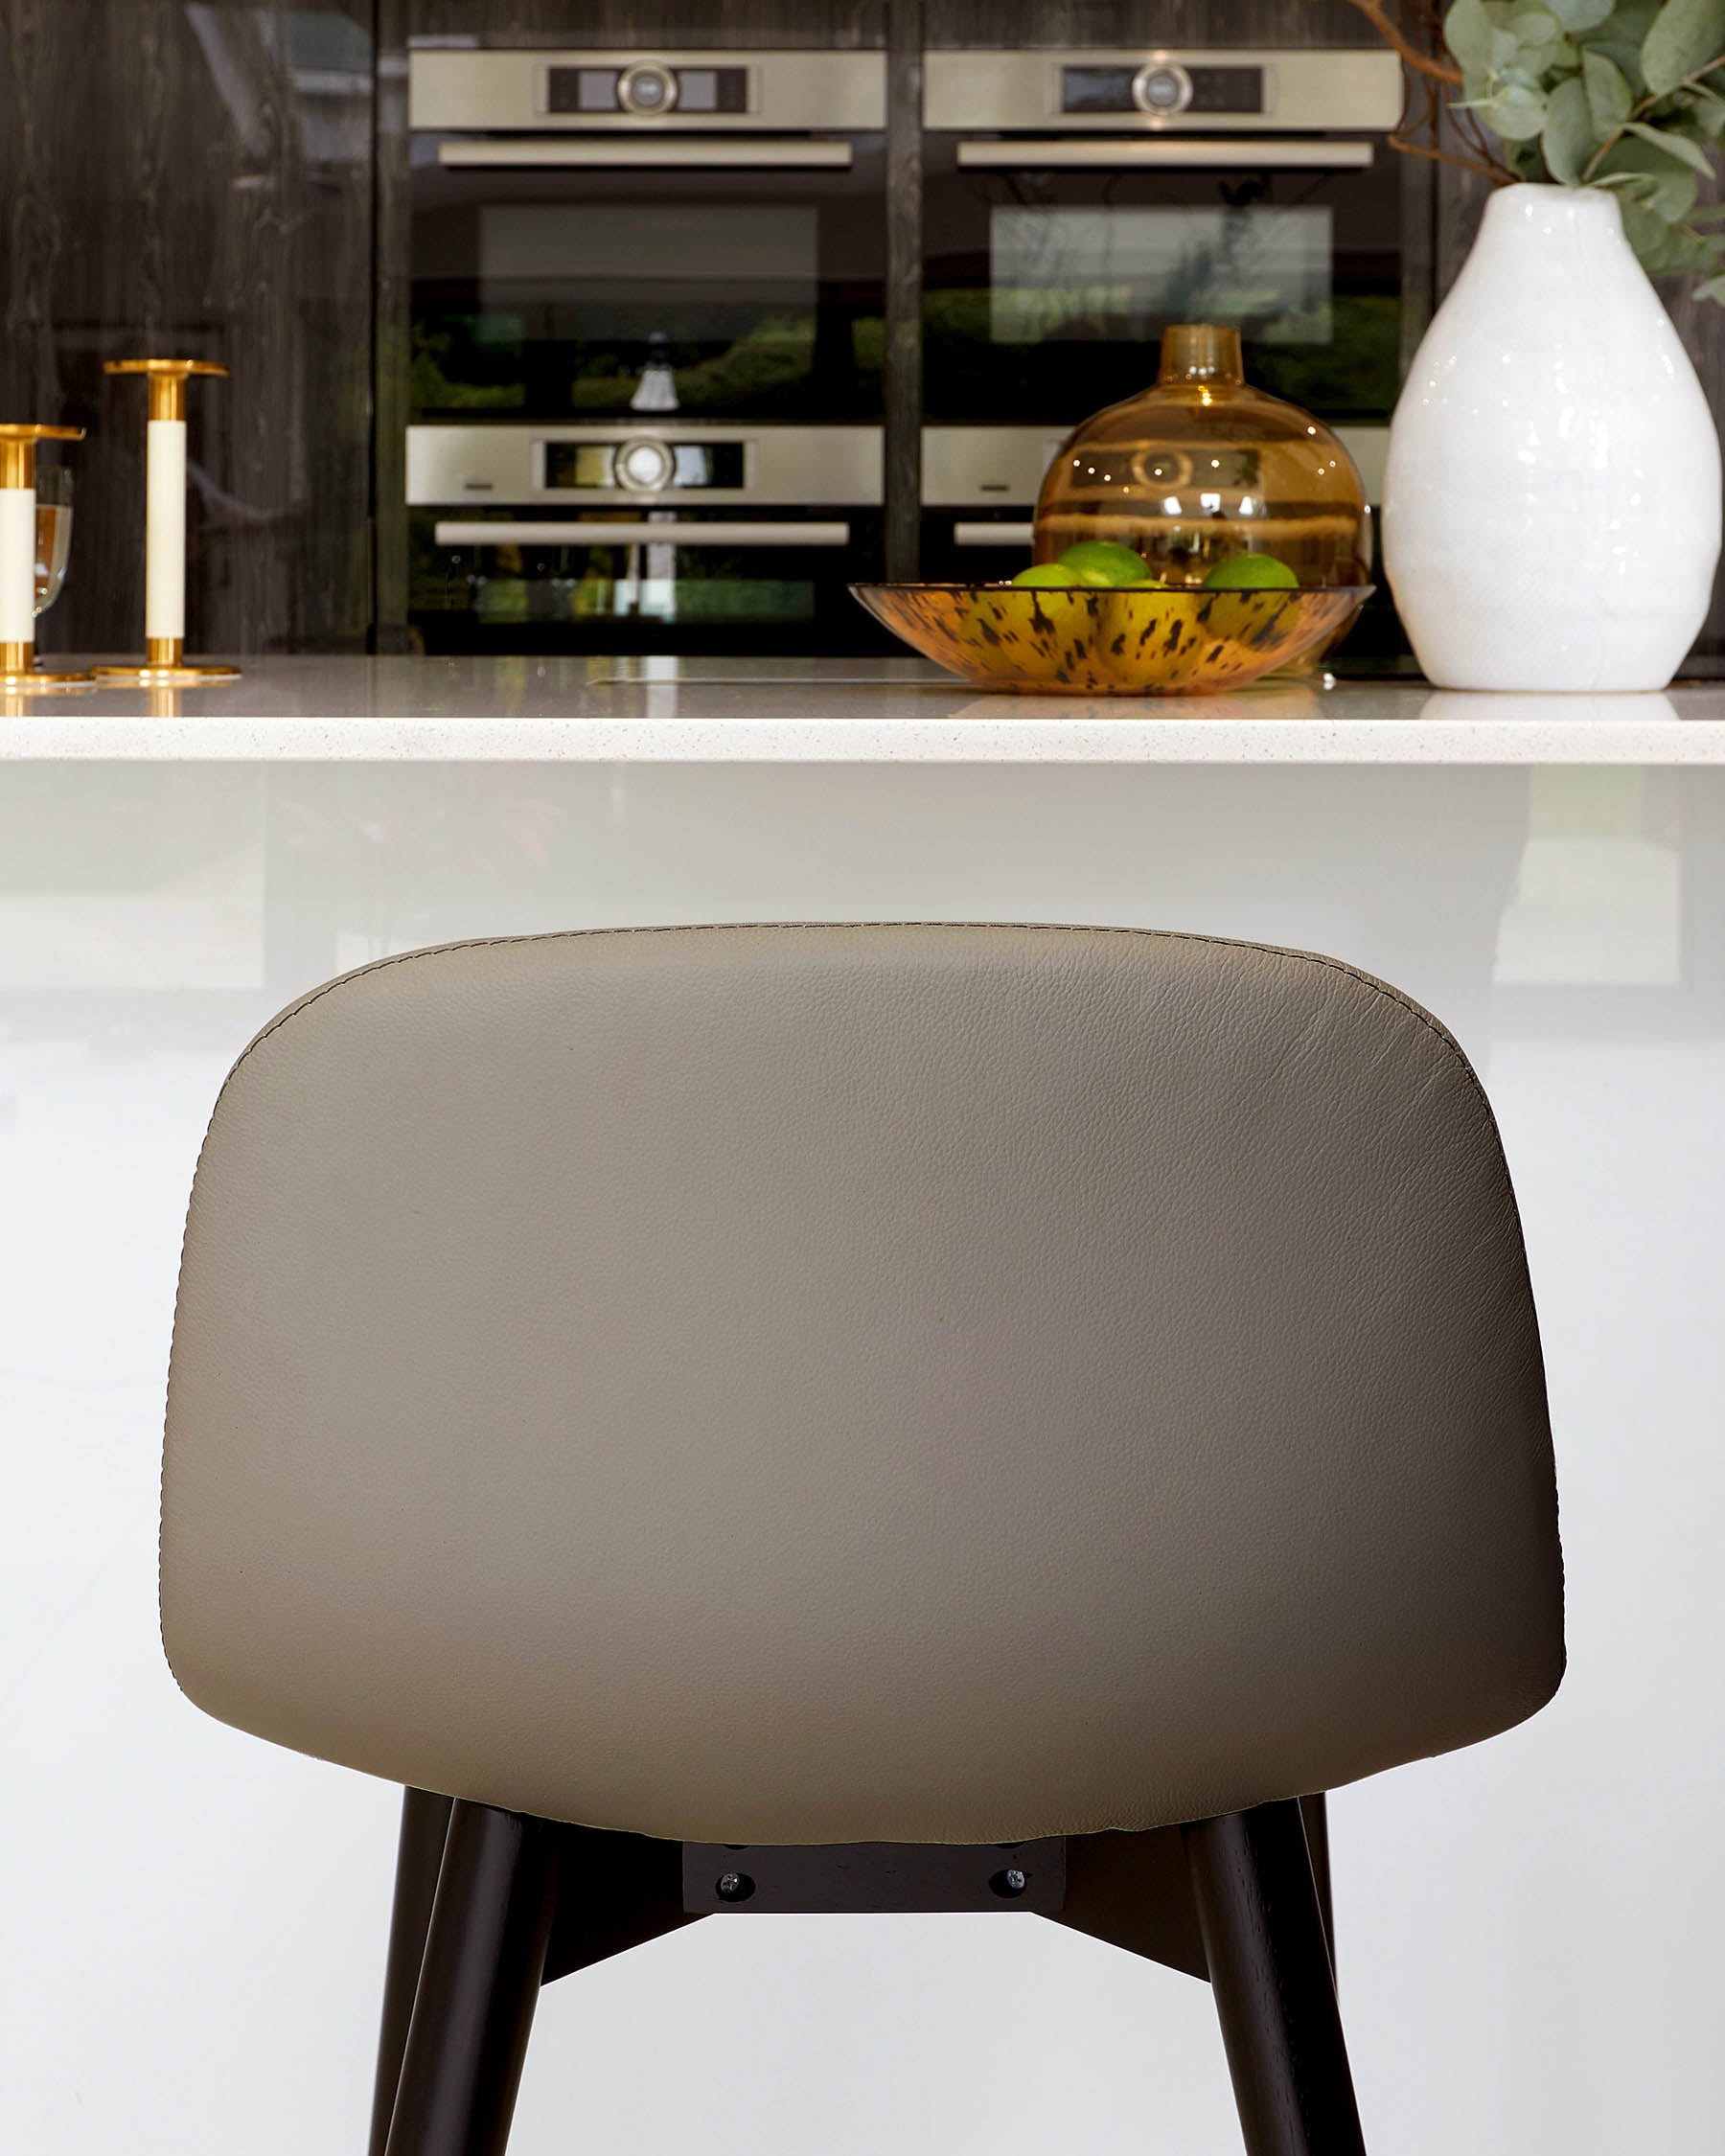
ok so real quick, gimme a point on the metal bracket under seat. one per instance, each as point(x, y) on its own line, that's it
point(1132, 1889)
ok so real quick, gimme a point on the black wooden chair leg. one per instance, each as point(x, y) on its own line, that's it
point(479, 1983)
point(1275, 1994)
point(419, 1857)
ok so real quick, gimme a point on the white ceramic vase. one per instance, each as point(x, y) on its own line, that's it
point(1552, 498)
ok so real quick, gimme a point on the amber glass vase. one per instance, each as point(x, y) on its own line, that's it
point(1201, 467)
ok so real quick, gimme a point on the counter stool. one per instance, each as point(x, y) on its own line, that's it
point(857, 1417)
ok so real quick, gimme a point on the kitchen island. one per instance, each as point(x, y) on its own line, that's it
point(1527, 1929)
point(668, 710)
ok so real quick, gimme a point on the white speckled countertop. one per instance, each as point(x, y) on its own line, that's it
point(551, 710)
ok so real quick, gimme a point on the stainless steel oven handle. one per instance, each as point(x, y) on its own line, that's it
point(1192, 152)
point(979, 532)
point(619, 530)
point(667, 153)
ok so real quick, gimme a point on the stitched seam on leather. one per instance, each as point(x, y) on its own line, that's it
point(1381, 988)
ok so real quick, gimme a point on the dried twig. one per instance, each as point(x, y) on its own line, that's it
point(1403, 47)
point(1423, 136)
point(1497, 174)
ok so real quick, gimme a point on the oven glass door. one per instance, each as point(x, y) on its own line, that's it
point(653, 581)
point(1047, 288)
point(700, 285)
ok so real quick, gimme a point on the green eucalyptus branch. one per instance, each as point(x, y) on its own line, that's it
point(1622, 95)
point(1653, 99)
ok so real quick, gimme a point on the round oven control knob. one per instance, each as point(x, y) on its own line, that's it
point(647, 88)
point(1162, 87)
point(644, 465)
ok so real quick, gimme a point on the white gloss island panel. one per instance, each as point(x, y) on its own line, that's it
point(866, 711)
point(195, 1921)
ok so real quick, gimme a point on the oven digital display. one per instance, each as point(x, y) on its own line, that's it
point(694, 465)
point(1118, 274)
point(1096, 89)
point(582, 89)
point(712, 89)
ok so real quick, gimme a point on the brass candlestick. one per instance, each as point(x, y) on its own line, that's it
point(165, 663)
point(19, 674)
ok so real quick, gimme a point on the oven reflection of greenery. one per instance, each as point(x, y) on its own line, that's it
point(481, 362)
point(1341, 359)
point(592, 584)
point(472, 364)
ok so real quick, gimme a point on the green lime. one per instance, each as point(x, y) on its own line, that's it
point(1251, 572)
point(1144, 583)
point(1046, 572)
point(1104, 562)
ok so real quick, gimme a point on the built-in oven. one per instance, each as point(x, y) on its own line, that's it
point(646, 347)
point(1076, 204)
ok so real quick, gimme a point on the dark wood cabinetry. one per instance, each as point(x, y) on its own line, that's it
point(229, 180)
point(645, 23)
point(1144, 22)
point(197, 180)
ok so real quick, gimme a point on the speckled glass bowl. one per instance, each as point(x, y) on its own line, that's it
point(1044, 641)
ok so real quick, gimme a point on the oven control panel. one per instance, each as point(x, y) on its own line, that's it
point(1224, 91)
point(647, 89)
point(610, 465)
point(1162, 87)
point(644, 464)
point(524, 88)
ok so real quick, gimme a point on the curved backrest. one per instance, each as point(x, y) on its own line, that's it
point(858, 1383)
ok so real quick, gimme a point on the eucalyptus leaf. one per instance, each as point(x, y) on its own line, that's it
point(1609, 97)
point(1666, 249)
point(1669, 186)
point(1579, 14)
point(1516, 113)
point(1467, 32)
point(1711, 289)
point(1569, 137)
point(1632, 187)
point(1505, 46)
point(1707, 109)
point(1542, 56)
point(1619, 36)
point(1687, 128)
point(1673, 145)
point(1539, 39)
point(1684, 37)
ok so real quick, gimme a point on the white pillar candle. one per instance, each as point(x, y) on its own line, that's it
point(165, 530)
point(17, 565)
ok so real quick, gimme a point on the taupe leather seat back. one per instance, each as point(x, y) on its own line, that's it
point(848, 1383)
